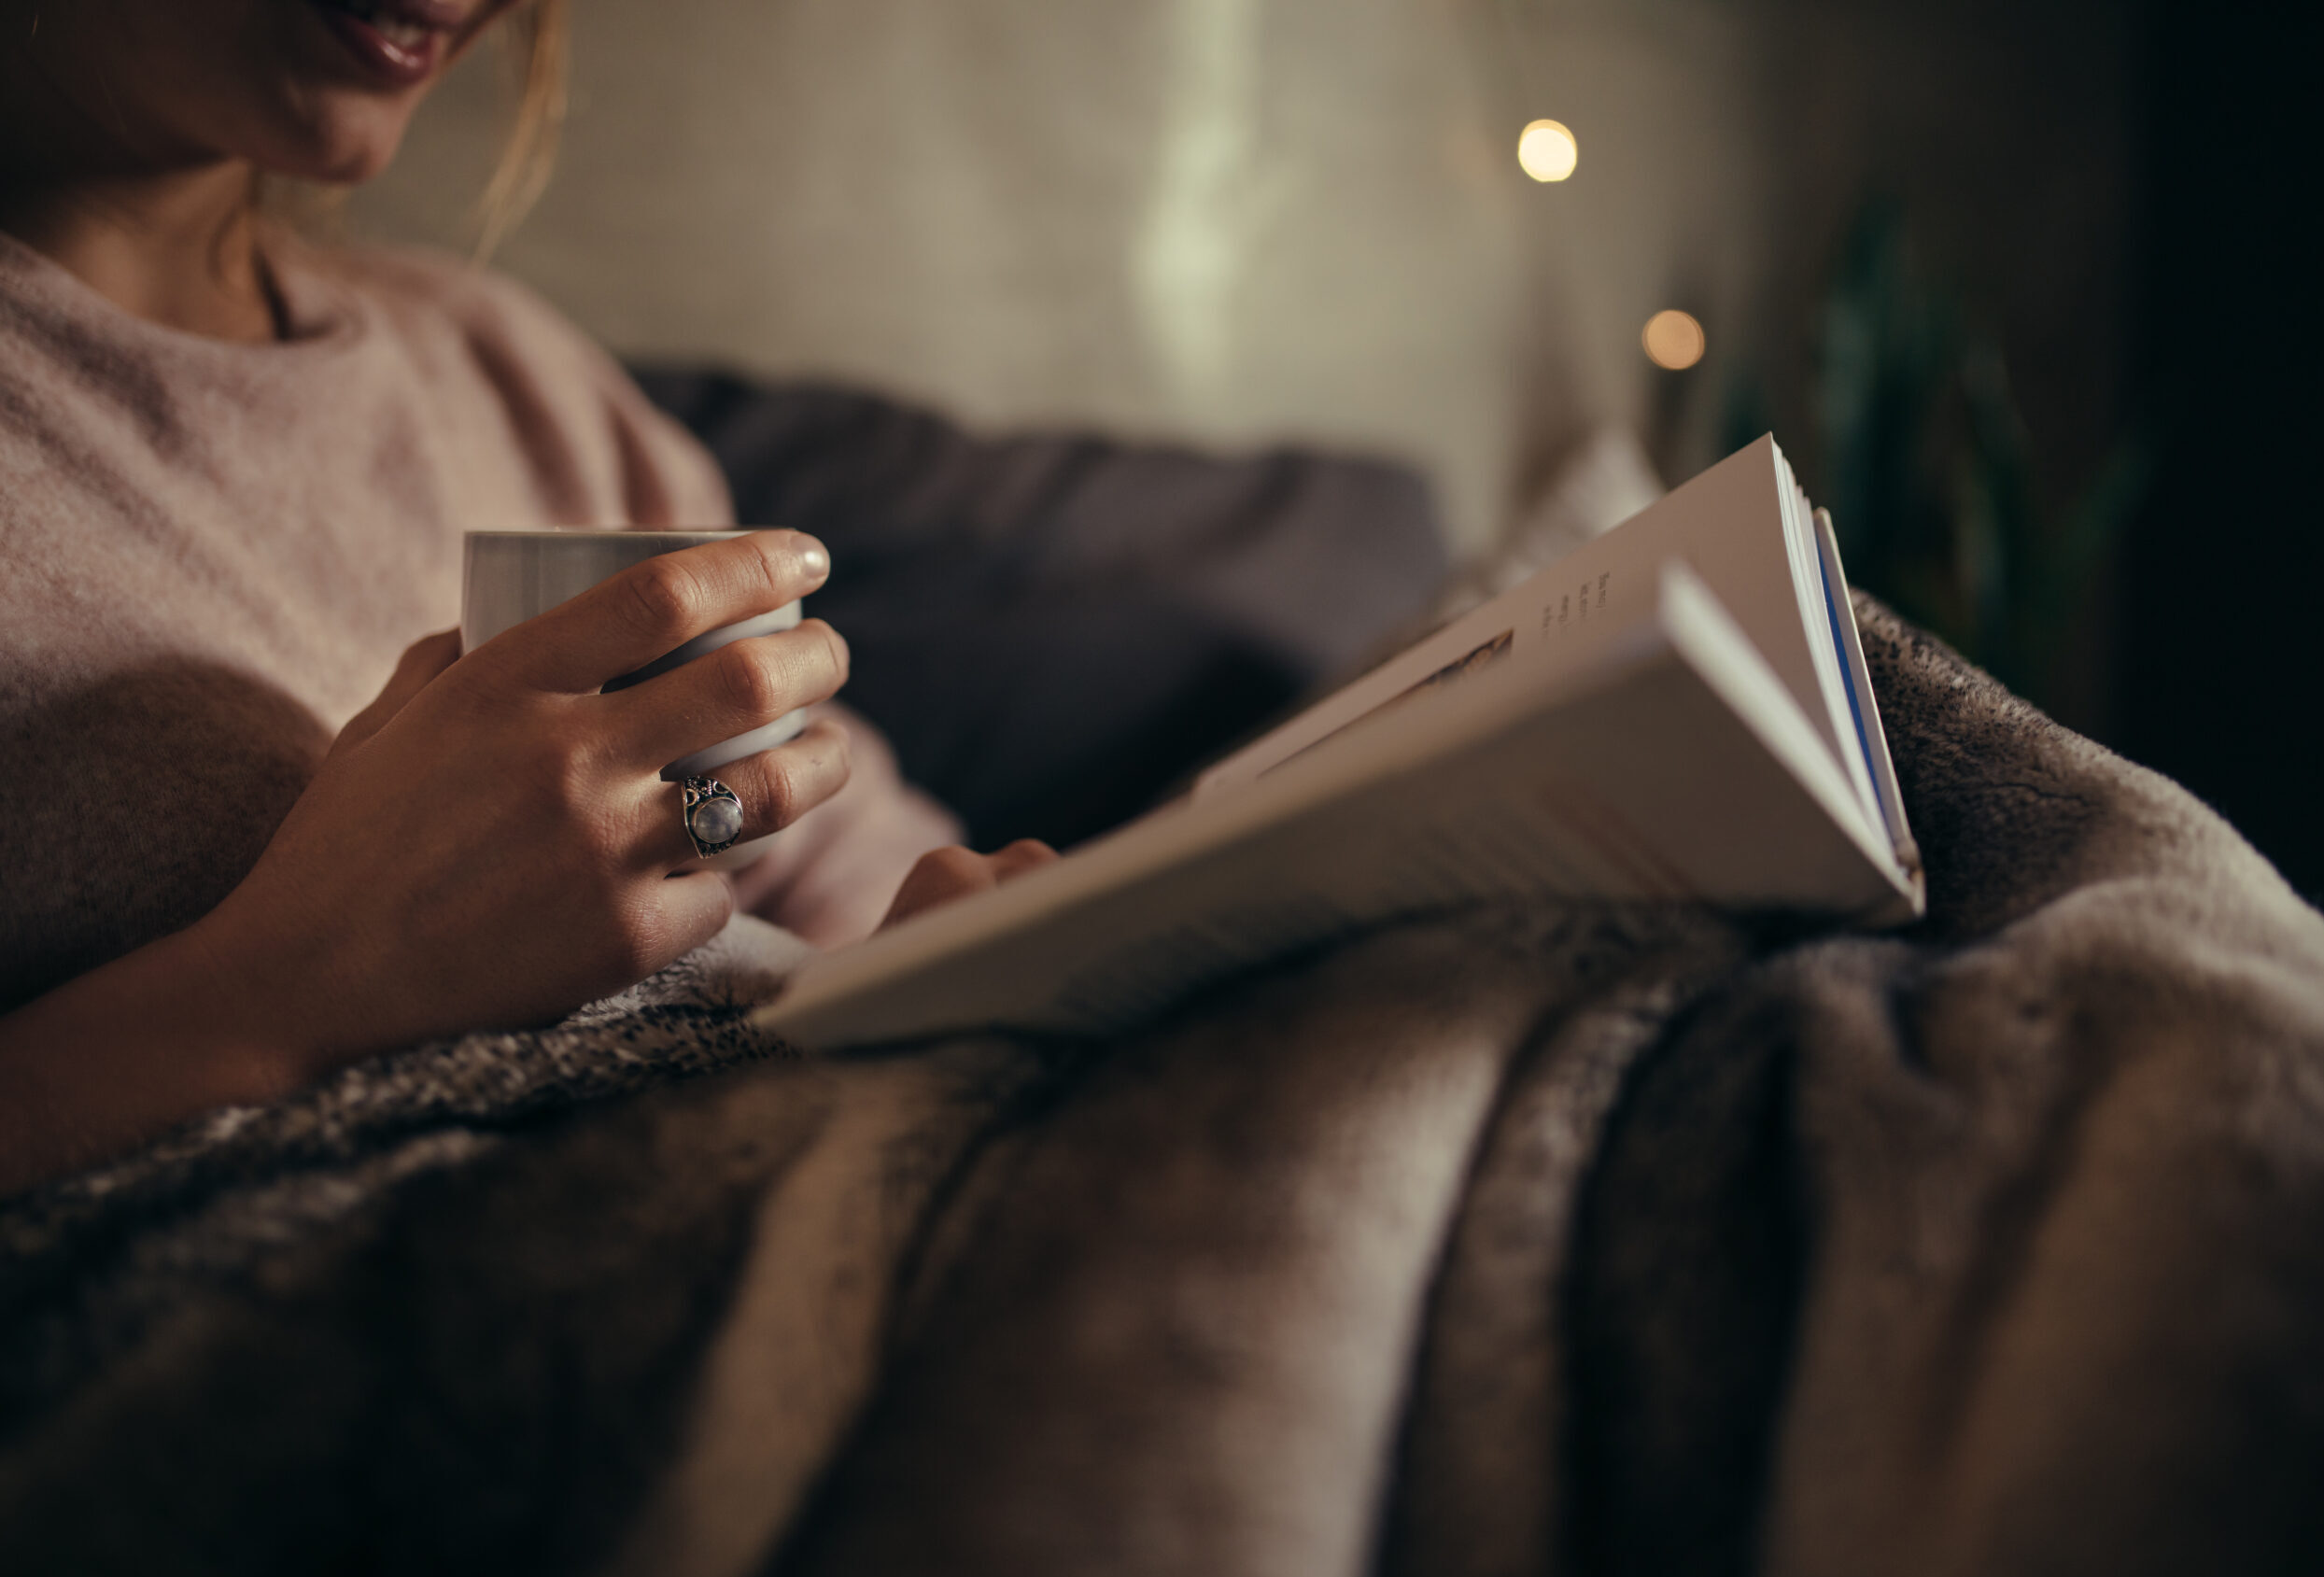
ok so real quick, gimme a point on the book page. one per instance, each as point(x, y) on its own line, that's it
point(1729, 524)
point(1487, 651)
point(1676, 766)
point(1864, 710)
point(1812, 587)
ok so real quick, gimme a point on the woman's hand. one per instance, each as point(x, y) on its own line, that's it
point(943, 875)
point(489, 844)
point(829, 876)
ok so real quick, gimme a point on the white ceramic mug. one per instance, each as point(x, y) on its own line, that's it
point(512, 576)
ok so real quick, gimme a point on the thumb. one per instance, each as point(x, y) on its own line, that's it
point(422, 660)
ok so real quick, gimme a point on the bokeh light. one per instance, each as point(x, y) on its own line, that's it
point(1548, 152)
point(1674, 340)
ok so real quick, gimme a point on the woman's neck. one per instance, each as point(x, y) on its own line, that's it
point(180, 249)
point(170, 239)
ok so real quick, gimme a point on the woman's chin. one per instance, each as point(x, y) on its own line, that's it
point(352, 169)
point(338, 118)
point(346, 151)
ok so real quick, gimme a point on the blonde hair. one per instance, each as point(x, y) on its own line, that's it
point(536, 47)
point(538, 40)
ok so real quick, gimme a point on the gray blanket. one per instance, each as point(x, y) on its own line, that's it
point(1592, 1241)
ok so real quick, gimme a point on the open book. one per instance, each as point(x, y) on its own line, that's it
point(1677, 711)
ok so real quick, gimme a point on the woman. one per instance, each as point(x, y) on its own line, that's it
point(233, 472)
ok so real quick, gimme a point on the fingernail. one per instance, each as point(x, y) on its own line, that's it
point(813, 558)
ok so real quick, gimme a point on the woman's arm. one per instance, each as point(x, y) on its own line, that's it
point(128, 1049)
point(488, 845)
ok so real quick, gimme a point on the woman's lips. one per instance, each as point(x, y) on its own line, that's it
point(398, 43)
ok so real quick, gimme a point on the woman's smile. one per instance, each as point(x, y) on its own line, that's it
point(397, 43)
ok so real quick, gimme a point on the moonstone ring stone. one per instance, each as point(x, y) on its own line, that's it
point(713, 814)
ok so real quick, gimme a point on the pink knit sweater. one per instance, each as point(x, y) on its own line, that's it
point(212, 553)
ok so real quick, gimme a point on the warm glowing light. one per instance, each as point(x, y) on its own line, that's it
point(1548, 152)
point(1673, 340)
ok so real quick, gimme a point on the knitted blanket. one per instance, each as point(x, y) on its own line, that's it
point(1578, 1239)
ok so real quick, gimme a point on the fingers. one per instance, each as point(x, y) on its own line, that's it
point(945, 874)
point(1026, 854)
point(627, 620)
point(735, 689)
point(422, 660)
point(941, 876)
point(776, 787)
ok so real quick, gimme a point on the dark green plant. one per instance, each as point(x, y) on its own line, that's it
point(1918, 448)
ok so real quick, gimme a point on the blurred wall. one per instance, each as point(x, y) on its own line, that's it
point(1231, 220)
point(2009, 130)
point(1238, 221)
point(2222, 658)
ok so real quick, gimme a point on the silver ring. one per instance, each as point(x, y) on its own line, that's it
point(712, 815)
